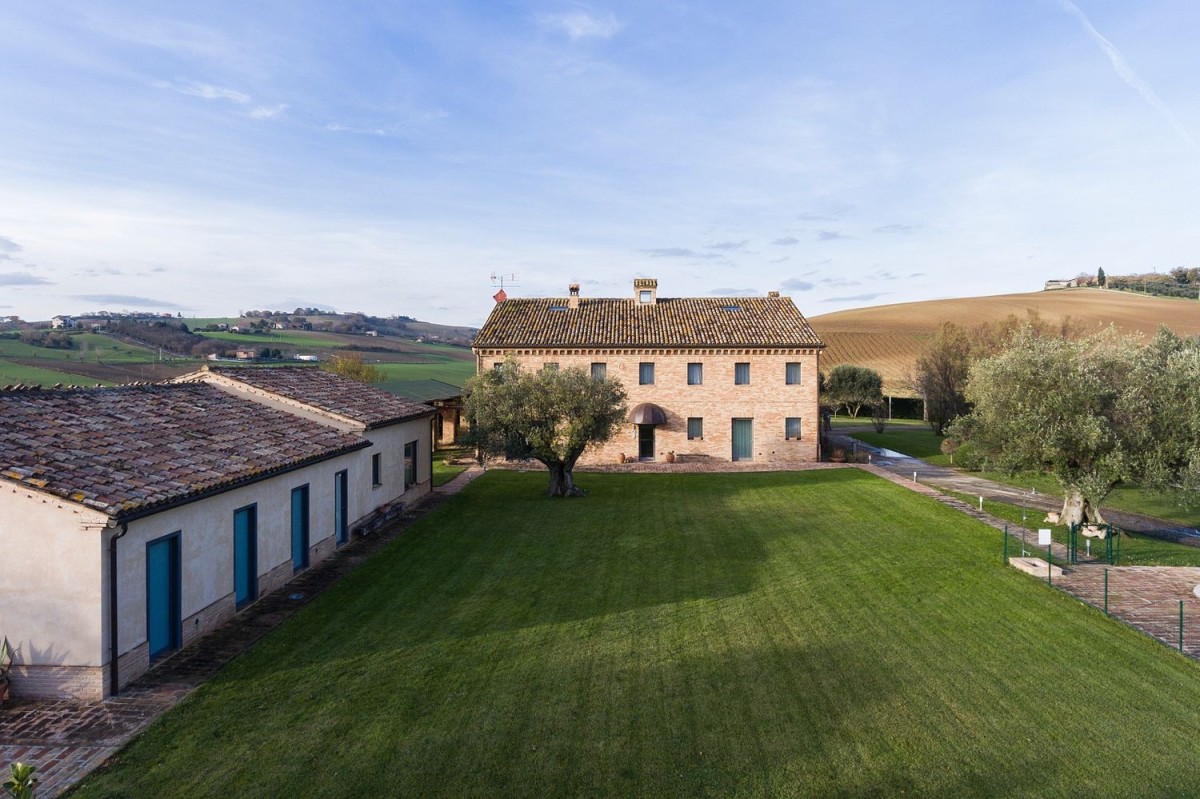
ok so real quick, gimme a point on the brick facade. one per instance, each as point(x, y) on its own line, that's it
point(764, 335)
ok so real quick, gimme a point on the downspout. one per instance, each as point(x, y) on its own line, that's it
point(113, 615)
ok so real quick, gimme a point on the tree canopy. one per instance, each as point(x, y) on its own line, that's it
point(351, 365)
point(941, 376)
point(1091, 412)
point(853, 387)
point(550, 415)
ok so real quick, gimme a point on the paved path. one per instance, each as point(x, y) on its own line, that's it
point(66, 740)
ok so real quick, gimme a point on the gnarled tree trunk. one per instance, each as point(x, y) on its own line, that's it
point(562, 481)
point(1077, 510)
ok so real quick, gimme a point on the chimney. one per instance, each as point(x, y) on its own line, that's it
point(500, 296)
point(772, 293)
point(573, 299)
point(645, 290)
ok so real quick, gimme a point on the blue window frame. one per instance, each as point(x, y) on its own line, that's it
point(245, 555)
point(164, 626)
point(341, 507)
point(300, 528)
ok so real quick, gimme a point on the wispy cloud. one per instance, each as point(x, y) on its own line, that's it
point(8, 246)
point(22, 279)
point(855, 297)
point(1126, 73)
point(580, 24)
point(786, 241)
point(130, 301)
point(267, 111)
point(831, 235)
point(678, 252)
point(729, 292)
point(795, 284)
point(206, 91)
point(727, 245)
point(896, 229)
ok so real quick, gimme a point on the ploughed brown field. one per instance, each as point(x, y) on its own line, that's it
point(888, 338)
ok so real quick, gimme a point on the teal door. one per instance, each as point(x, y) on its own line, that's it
point(341, 524)
point(743, 439)
point(162, 595)
point(300, 528)
point(245, 555)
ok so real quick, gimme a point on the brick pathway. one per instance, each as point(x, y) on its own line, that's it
point(66, 740)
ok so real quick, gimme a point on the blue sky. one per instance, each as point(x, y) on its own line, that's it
point(392, 157)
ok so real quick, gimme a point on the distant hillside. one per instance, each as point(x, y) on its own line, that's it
point(888, 338)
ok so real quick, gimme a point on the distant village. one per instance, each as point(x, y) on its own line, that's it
point(1178, 282)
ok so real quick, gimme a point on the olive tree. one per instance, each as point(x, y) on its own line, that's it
point(550, 415)
point(941, 375)
point(853, 388)
point(1092, 413)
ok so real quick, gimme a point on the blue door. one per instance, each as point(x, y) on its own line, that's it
point(245, 554)
point(743, 439)
point(300, 528)
point(162, 595)
point(341, 524)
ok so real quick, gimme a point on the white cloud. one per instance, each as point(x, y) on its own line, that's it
point(580, 24)
point(206, 91)
point(268, 111)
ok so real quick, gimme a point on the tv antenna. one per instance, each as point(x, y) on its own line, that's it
point(504, 280)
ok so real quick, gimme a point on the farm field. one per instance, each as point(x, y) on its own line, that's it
point(822, 633)
point(889, 338)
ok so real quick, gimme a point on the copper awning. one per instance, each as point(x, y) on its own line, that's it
point(648, 413)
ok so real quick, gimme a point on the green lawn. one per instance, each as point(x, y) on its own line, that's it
point(448, 371)
point(814, 634)
point(1132, 550)
point(442, 472)
point(920, 443)
point(12, 373)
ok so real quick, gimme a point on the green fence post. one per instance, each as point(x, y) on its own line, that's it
point(1049, 564)
point(1106, 592)
point(1006, 545)
point(1181, 626)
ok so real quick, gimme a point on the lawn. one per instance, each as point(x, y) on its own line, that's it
point(808, 634)
point(13, 373)
point(443, 472)
point(917, 442)
point(448, 371)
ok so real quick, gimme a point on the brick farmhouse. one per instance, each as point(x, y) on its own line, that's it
point(716, 378)
point(135, 519)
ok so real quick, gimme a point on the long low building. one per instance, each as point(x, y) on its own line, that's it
point(721, 378)
point(135, 519)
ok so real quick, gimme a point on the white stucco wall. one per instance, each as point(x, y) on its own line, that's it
point(50, 582)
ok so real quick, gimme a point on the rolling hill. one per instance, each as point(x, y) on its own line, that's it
point(888, 338)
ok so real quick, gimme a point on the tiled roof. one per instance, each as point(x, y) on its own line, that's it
point(329, 392)
point(127, 450)
point(671, 322)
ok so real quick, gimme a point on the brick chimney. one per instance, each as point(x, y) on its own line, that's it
point(573, 299)
point(645, 290)
point(772, 293)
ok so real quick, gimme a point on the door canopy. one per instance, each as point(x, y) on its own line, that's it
point(648, 413)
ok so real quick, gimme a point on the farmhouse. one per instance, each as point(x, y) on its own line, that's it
point(135, 519)
point(731, 378)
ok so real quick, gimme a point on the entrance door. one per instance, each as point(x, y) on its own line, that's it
point(646, 442)
point(341, 522)
point(162, 595)
point(245, 555)
point(300, 528)
point(743, 439)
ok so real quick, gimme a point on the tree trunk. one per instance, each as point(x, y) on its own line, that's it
point(1077, 510)
point(562, 482)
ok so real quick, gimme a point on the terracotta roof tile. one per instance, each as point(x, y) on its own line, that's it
point(133, 448)
point(671, 322)
point(329, 392)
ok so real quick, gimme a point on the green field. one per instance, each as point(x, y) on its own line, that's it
point(454, 372)
point(794, 634)
point(13, 373)
point(920, 443)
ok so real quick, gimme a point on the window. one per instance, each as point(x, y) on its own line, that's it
point(695, 428)
point(410, 465)
point(599, 371)
point(646, 373)
point(300, 528)
point(791, 428)
point(376, 469)
point(551, 366)
point(498, 365)
point(644, 296)
point(741, 374)
point(695, 374)
point(792, 373)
